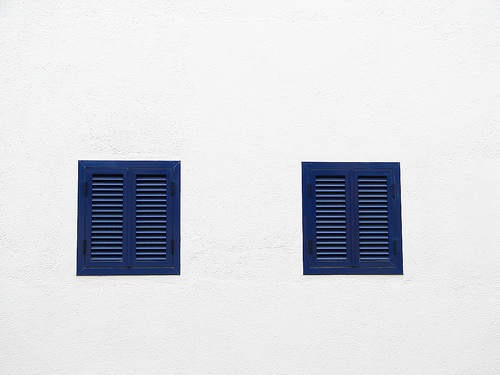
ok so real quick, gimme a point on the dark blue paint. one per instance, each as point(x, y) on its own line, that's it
point(128, 265)
point(388, 172)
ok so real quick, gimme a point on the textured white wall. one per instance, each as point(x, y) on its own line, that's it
point(241, 92)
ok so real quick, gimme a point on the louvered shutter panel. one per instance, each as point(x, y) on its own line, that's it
point(373, 217)
point(107, 206)
point(330, 202)
point(152, 223)
point(331, 220)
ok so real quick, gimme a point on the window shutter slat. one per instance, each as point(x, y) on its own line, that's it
point(107, 217)
point(151, 209)
point(373, 218)
point(330, 218)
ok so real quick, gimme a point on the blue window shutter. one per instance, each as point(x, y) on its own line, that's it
point(351, 218)
point(374, 218)
point(152, 217)
point(329, 204)
point(106, 225)
point(128, 218)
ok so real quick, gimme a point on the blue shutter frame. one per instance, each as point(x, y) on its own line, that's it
point(373, 235)
point(90, 264)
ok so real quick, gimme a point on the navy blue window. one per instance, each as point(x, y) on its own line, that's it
point(351, 218)
point(128, 218)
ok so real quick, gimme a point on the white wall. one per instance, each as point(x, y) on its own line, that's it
point(241, 92)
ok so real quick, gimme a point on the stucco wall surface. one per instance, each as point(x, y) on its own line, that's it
point(241, 92)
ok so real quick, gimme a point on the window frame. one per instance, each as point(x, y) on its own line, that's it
point(84, 269)
point(312, 266)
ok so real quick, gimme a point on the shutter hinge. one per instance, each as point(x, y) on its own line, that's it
point(85, 188)
point(395, 247)
point(310, 247)
point(84, 247)
point(393, 190)
point(309, 189)
point(172, 246)
point(172, 189)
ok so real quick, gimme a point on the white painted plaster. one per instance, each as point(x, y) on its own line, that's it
point(241, 92)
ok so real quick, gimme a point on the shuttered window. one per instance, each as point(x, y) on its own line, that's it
point(351, 218)
point(128, 218)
